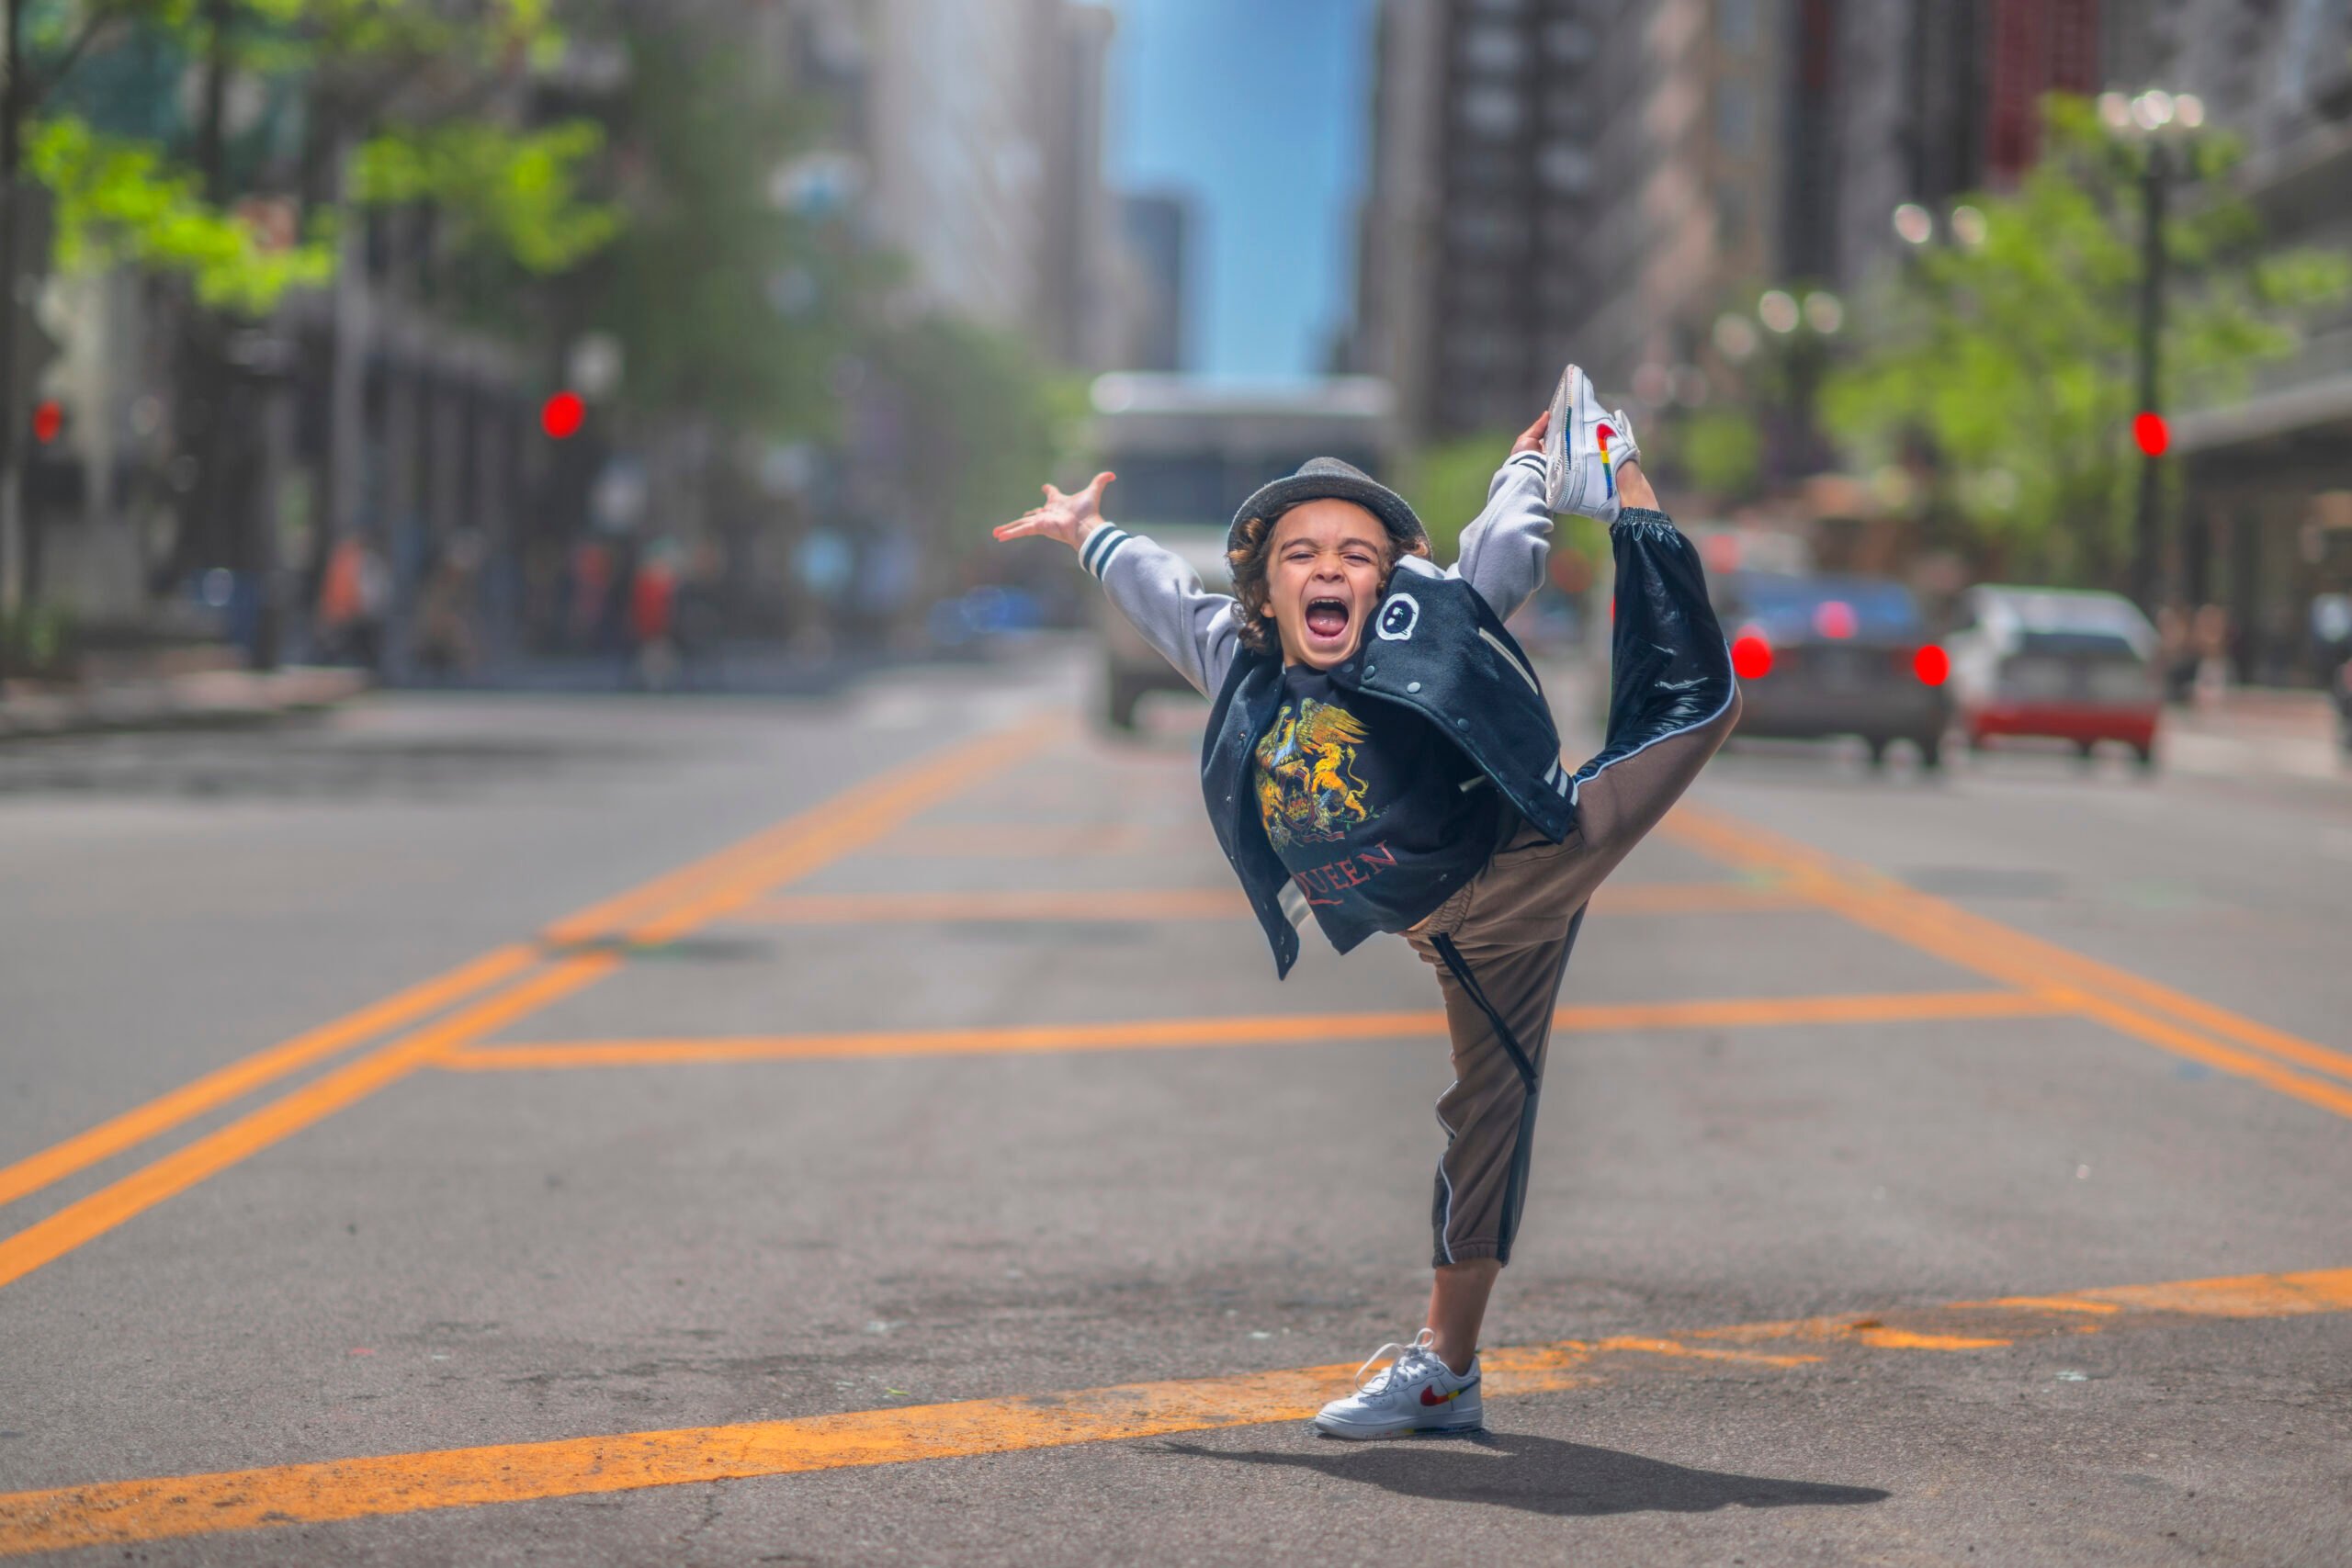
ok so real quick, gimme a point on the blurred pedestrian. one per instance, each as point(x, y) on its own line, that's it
point(697, 622)
point(2210, 645)
point(653, 594)
point(355, 592)
point(1382, 756)
point(2176, 656)
point(447, 645)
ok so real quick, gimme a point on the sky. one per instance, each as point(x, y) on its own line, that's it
point(1259, 109)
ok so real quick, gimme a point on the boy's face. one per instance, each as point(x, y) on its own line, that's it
point(1325, 568)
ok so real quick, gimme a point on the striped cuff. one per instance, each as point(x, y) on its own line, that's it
point(1533, 462)
point(1100, 546)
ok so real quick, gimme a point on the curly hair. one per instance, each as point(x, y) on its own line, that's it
point(1247, 560)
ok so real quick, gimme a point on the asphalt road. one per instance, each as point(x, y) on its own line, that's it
point(866, 1129)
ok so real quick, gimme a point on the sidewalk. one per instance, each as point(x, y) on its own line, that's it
point(194, 697)
point(2254, 732)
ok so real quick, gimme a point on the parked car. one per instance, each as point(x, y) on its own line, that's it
point(2044, 661)
point(1823, 655)
point(1131, 667)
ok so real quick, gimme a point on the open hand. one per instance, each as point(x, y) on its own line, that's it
point(1532, 438)
point(1069, 518)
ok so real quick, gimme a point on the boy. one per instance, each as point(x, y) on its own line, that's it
point(1380, 752)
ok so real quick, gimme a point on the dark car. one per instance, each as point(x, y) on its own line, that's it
point(1825, 656)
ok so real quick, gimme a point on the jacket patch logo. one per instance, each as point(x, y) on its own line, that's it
point(1398, 619)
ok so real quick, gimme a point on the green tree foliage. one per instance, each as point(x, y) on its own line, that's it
point(118, 201)
point(518, 191)
point(2012, 362)
point(727, 302)
point(984, 417)
point(129, 197)
point(1722, 450)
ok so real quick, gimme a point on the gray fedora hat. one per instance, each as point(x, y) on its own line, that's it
point(1327, 478)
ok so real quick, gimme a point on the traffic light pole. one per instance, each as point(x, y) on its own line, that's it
point(2147, 557)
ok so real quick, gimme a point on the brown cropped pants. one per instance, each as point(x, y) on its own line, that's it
point(1500, 948)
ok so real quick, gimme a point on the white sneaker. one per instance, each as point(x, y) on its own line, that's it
point(1415, 1392)
point(1583, 448)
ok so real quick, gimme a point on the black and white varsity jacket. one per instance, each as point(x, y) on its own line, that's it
point(1437, 645)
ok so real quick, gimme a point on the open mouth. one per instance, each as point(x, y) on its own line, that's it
point(1327, 618)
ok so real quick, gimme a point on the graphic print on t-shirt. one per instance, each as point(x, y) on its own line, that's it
point(1372, 811)
point(1308, 791)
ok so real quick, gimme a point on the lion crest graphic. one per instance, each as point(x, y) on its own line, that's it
point(1307, 787)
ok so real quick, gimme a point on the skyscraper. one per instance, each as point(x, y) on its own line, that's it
point(1473, 246)
point(1156, 229)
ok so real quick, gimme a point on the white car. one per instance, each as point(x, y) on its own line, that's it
point(2056, 662)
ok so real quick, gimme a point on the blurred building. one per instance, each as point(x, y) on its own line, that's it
point(1156, 232)
point(2266, 522)
point(982, 135)
point(1473, 255)
point(1598, 179)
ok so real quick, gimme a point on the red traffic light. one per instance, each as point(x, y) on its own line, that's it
point(49, 418)
point(2152, 434)
point(560, 415)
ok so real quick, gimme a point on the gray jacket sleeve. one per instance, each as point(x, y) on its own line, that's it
point(1193, 628)
point(1505, 546)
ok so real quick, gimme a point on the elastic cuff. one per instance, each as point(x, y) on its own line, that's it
point(1642, 515)
point(1100, 546)
point(1469, 1252)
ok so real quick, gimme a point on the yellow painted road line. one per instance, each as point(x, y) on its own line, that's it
point(2125, 1002)
point(1158, 904)
point(1692, 899)
point(1308, 1029)
point(863, 814)
point(1040, 841)
point(240, 1078)
point(176, 1173)
point(832, 829)
point(1014, 904)
point(123, 1512)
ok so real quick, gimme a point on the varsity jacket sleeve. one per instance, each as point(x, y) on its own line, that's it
point(1505, 546)
point(1669, 668)
point(1193, 628)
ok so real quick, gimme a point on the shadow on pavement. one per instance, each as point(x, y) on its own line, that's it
point(1543, 1475)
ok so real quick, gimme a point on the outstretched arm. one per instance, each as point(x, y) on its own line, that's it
point(1505, 546)
point(1155, 589)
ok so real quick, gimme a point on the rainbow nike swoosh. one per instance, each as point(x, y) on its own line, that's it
point(1608, 463)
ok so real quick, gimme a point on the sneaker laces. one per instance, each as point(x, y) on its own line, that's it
point(1401, 1360)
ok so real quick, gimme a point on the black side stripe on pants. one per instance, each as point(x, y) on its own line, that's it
point(1477, 994)
point(1523, 1146)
